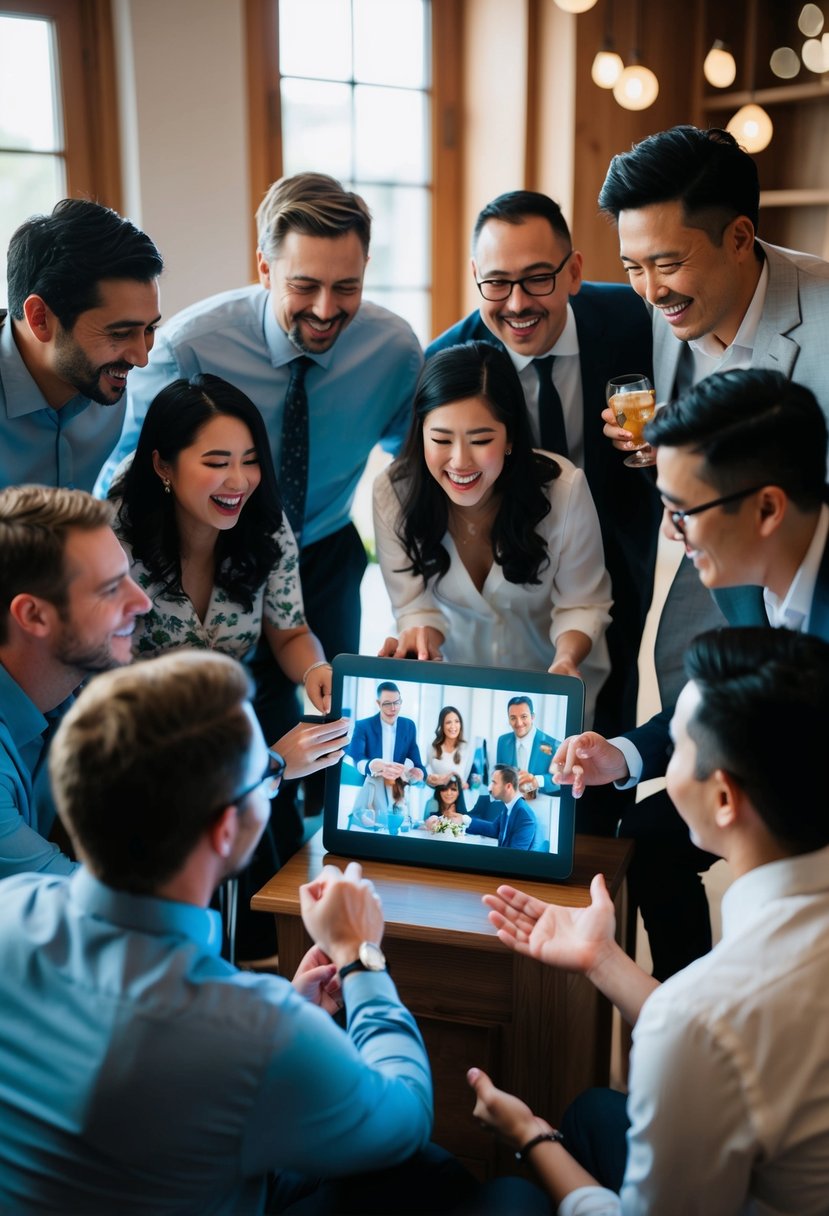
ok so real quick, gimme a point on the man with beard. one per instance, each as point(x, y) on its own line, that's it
point(83, 307)
point(332, 376)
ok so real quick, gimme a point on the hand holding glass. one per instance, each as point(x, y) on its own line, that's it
point(633, 401)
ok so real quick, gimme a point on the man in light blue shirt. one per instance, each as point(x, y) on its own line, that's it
point(67, 610)
point(83, 306)
point(163, 1079)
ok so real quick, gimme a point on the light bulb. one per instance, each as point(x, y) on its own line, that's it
point(815, 54)
point(637, 88)
point(719, 68)
point(607, 68)
point(784, 63)
point(751, 127)
point(810, 21)
point(575, 6)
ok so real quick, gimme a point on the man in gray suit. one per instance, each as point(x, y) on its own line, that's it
point(686, 204)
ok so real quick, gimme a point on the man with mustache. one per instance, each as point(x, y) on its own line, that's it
point(83, 307)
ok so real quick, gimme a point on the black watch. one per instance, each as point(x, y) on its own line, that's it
point(371, 958)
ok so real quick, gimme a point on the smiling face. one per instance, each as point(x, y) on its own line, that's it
point(721, 542)
point(451, 727)
point(98, 621)
point(528, 325)
point(213, 478)
point(389, 703)
point(464, 446)
point(448, 796)
point(699, 287)
point(316, 285)
point(521, 719)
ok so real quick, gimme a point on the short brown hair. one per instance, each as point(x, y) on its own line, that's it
point(146, 759)
point(34, 524)
point(313, 204)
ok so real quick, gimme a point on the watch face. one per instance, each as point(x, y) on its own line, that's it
point(372, 957)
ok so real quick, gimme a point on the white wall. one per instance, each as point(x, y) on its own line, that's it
point(182, 81)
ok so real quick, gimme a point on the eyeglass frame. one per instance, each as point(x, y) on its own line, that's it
point(273, 775)
point(679, 518)
point(513, 283)
point(391, 704)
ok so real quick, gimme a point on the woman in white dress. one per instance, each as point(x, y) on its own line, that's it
point(490, 551)
point(199, 514)
point(449, 752)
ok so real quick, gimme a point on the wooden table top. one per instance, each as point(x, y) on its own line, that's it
point(425, 904)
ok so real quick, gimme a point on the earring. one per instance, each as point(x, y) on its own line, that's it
point(168, 485)
point(507, 451)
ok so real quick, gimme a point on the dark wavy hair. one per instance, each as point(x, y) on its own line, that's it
point(456, 783)
point(246, 553)
point(440, 733)
point(474, 369)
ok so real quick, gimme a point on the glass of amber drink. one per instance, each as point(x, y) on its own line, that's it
point(633, 401)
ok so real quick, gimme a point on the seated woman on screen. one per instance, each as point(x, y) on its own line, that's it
point(379, 797)
point(491, 551)
point(448, 802)
point(199, 514)
point(449, 752)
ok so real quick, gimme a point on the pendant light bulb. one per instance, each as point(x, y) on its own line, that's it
point(751, 127)
point(719, 67)
point(607, 68)
point(637, 88)
point(575, 6)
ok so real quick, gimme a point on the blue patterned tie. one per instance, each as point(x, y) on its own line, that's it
point(550, 412)
point(293, 458)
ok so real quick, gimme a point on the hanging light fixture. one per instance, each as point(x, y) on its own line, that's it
point(719, 67)
point(815, 54)
point(607, 65)
point(751, 126)
point(637, 87)
point(575, 6)
point(810, 21)
point(785, 63)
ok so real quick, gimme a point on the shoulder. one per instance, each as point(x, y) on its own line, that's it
point(606, 304)
point(805, 264)
point(376, 328)
point(241, 309)
point(469, 329)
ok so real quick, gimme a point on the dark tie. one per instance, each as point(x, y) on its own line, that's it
point(550, 413)
point(293, 460)
point(502, 835)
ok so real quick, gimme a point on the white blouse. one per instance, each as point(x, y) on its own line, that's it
point(510, 624)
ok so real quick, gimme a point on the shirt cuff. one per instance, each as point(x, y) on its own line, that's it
point(590, 1201)
point(634, 762)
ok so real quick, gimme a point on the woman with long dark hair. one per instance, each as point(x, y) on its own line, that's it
point(490, 550)
point(448, 801)
point(449, 752)
point(200, 517)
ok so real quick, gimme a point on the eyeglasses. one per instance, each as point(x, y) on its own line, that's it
point(391, 704)
point(532, 284)
point(271, 779)
point(680, 518)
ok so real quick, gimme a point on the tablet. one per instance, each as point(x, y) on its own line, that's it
point(386, 800)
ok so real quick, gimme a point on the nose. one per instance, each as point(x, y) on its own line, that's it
point(135, 601)
point(137, 352)
point(518, 298)
point(324, 305)
point(653, 287)
point(669, 529)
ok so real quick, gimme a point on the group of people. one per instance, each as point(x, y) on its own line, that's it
point(224, 451)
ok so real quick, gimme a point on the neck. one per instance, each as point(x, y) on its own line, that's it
point(197, 541)
point(44, 681)
point(749, 278)
point(789, 547)
point(56, 392)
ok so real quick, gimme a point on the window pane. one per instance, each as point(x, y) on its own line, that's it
point(28, 185)
point(390, 140)
point(399, 235)
point(411, 305)
point(316, 128)
point(28, 105)
point(390, 42)
point(315, 40)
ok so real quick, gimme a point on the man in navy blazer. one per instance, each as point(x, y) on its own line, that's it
point(593, 331)
point(516, 826)
point(741, 462)
point(386, 744)
point(536, 747)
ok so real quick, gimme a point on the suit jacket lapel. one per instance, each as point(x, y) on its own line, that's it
point(781, 314)
point(819, 614)
point(589, 331)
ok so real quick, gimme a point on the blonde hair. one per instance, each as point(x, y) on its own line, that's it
point(34, 524)
point(146, 759)
point(313, 204)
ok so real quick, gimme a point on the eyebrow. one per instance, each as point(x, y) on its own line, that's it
point(113, 581)
point(127, 324)
point(525, 270)
point(307, 278)
point(478, 430)
point(653, 257)
point(672, 498)
point(222, 452)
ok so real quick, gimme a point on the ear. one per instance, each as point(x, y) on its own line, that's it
point(729, 797)
point(263, 268)
point(573, 270)
point(741, 236)
point(35, 616)
point(474, 267)
point(160, 466)
point(41, 320)
point(222, 832)
point(774, 503)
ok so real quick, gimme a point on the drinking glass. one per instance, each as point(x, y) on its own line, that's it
point(633, 401)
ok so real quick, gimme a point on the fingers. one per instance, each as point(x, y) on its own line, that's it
point(388, 650)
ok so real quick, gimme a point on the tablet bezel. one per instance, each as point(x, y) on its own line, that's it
point(506, 863)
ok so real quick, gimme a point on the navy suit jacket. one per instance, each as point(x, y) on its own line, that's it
point(367, 741)
point(539, 765)
point(615, 337)
point(521, 827)
point(741, 606)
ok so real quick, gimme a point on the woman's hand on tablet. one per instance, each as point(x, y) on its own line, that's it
point(419, 642)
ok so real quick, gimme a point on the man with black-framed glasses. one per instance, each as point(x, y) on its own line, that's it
point(567, 338)
point(384, 744)
point(741, 462)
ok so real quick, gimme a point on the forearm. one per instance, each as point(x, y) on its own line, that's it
point(622, 981)
point(572, 646)
point(295, 650)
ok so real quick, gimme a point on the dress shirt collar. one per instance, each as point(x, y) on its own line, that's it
point(743, 343)
point(511, 804)
point(567, 344)
point(280, 346)
point(21, 391)
point(746, 899)
point(146, 913)
point(792, 612)
point(528, 741)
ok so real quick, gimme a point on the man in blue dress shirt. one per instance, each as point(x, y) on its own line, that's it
point(83, 307)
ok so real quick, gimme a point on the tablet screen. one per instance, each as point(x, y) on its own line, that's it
point(448, 766)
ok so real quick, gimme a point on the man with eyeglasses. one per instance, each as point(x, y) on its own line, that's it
point(385, 745)
point(141, 1071)
point(741, 469)
point(567, 338)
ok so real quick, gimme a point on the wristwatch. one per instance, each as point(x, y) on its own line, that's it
point(371, 958)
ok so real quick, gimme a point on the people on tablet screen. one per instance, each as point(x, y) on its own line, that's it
point(527, 748)
point(385, 744)
point(448, 801)
point(515, 827)
point(379, 797)
point(449, 751)
point(490, 550)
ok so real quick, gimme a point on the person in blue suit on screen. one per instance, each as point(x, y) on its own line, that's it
point(527, 748)
point(516, 826)
point(385, 745)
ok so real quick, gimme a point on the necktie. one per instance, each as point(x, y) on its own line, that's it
point(550, 413)
point(293, 459)
point(502, 835)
